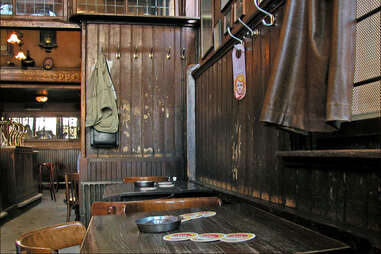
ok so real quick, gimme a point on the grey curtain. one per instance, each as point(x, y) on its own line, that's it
point(310, 87)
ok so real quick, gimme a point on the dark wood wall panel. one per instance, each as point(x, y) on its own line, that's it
point(340, 192)
point(66, 159)
point(149, 82)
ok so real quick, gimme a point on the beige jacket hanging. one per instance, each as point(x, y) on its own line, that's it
point(101, 108)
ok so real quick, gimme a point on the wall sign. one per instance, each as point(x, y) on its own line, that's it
point(239, 71)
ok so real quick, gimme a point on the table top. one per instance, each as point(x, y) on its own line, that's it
point(121, 191)
point(119, 234)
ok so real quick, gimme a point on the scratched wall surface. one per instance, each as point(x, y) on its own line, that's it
point(149, 83)
point(237, 154)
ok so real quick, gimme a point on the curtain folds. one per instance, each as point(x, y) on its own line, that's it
point(311, 82)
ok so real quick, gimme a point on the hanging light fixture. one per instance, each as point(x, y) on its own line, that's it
point(41, 98)
point(14, 39)
point(20, 56)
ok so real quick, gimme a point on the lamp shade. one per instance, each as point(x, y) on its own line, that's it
point(20, 56)
point(14, 39)
point(42, 98)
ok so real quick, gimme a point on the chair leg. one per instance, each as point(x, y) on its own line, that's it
point(68, 212)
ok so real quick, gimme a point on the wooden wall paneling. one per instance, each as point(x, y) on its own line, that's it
point(147, 91)
point(220, 149)
point(374, 201)
point(114, 33)
point(168, 92)
point(179, 102)
point(136, 91)
point(125, 96)
point(158, 114)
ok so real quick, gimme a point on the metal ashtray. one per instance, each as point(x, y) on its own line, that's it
point(157, 224)
point(139, 184)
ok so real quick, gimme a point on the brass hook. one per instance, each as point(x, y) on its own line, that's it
point(169, 53)
point(150, 55)
point(136, 53)
point(183, 54)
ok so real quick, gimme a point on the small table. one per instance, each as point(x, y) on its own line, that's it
point(119, 234)
point(128, 191)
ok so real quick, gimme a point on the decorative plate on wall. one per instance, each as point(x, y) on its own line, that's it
point(48, 63)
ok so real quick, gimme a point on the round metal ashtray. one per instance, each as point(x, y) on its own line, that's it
point(139, 184)
point(157, 224)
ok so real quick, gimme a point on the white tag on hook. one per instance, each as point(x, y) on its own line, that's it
point(239, 71)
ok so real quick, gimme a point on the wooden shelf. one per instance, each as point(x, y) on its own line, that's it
point(40, 75)
point(348, 153)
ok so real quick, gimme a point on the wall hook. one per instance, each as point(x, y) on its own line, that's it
point(136, 53)
point(169, 53)
point(117, 54)
point(182, 56)
point(150, 55)
point(272, 18)
point(235, 38)
point(252, 32)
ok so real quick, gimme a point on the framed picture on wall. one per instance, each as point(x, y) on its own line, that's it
point(217, 34)
point(239, 10)
point(224, 3)
point(206, 27)
point(227, 20)
point(6, 49)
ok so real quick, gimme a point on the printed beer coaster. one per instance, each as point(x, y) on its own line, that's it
point(185, 218)
point(207, 213)
point(237, 237)
point(208, 237)
point(179, 236)
point(191, 215)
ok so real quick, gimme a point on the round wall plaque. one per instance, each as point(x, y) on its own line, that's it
point(48, 63)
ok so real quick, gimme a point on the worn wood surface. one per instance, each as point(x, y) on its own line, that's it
point(120, 192)
point(149, 83)
point(119, 234)
point(160, 204)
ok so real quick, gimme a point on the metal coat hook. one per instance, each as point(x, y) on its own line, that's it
point(272, 18)
point(117, 54)
point(136, 53)
point(252, 32)
point(169, 53)
point(150, 55)
point(182, 54)
point(235, 38)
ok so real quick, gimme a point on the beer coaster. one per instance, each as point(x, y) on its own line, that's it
point(191, 215)
point(238, 237)
point(207, 213)
point(208, 237)
point(179, 236)
point(185, 218)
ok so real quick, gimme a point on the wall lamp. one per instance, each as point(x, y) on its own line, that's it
point(16, 39)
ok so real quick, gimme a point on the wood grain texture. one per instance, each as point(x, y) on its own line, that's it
point(150, 95)
point(119, 233)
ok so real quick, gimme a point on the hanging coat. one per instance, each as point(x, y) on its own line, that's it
point(101, 108)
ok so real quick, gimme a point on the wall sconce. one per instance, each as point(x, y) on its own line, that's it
point(20, 56)
point(48, 40)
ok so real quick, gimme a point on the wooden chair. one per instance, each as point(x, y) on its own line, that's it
point(72, 194)
point(119, 208)
point(49, 168)
point(51, 239)
point(145, 178)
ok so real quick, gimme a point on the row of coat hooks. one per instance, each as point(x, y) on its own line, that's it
point(151, 53)
point(254, 32)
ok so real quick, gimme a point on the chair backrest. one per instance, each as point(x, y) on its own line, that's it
point(51, 239)
point(145, 178)
point(119, 208)
point(47, 168)
point(72, 187)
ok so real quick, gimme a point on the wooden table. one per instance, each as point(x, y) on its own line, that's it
point(119, 234)
point(128, 191)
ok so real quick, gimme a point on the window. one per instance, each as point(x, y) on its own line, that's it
point(50, 127)
point(367, 76)
point(51, 8)
point(134, 7)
